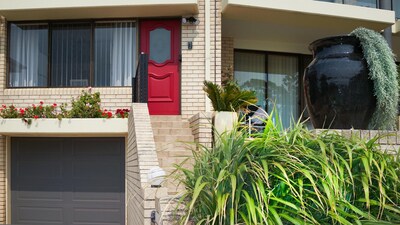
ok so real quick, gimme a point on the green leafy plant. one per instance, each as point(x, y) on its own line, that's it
point(383, 72)
point(292, 176)
point(86, 105)
point(229, 97)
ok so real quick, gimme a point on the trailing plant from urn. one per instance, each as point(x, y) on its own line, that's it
point(383, 72)
point(229, 97)
point(292, 176)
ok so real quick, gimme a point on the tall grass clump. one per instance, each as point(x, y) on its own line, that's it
point(292, 176)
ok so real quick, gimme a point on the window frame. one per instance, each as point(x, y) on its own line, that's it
point(301, 61)
point(49, 23)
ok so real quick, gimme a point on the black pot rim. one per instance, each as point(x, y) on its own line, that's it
point(335, 39)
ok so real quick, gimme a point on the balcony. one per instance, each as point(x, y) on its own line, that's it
point(80, 9)
point(364, 3)
point(285, 26)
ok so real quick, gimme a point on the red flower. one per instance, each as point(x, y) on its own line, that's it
point(109, 115)
point(40, 107)
point(54, 104)
point(21, 111)
point(34, 106)
point(4, 106)
point(35, 117)
point(41, 102)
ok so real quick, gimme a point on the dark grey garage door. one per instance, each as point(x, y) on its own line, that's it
point(67, 181)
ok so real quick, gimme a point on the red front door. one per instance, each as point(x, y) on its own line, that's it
point(160, 39)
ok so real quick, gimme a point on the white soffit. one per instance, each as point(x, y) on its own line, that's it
point(308, 13)
point(18, 10)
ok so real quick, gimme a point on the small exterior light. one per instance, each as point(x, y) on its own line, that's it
point(190, 20)
point(156, 177)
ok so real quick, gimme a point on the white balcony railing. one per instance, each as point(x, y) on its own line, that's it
point(365, 3)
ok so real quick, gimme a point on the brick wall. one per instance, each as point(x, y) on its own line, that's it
point(193, 61)
point(227, 58)
point(3, 187)
point(201, 125)
point(3, 173)
point(141, 156)
point(389, 141)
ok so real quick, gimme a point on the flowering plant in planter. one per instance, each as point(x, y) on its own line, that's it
point(87, 105)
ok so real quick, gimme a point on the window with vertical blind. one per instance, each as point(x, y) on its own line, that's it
point(72, 54)
point(276, 79)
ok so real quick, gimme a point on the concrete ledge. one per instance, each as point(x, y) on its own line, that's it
point(98, 127)
point(80, 9)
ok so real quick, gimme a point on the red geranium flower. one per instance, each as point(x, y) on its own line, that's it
point(54, 104)
point(41, 102)
point(109, 114)
point(35, 117)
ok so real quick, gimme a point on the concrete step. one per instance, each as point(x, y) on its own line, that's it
point(166, 118)
point(174, 144)
point(169, 124)
point(178, 153)
point(173, 138)
point(172, 131)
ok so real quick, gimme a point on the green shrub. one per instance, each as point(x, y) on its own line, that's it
point(292, 176)
point(87, 105)
point(229, 97)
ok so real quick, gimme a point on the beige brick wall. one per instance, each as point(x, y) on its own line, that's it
point(141, 156)
point(227, 58)
point(193, 61)
point(2, 138)
point(201, 125)
point(3, 174)
point(389, 141)
point(111, 98)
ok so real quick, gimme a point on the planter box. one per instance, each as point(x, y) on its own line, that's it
point(65, 127)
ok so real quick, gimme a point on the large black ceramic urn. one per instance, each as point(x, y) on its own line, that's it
point(338, 93)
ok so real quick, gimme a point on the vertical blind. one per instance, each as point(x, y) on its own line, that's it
point(283, 79)
point(70, 55)
point(271, 76)
point(28, 55)
point(250, 74)
point(114, 53)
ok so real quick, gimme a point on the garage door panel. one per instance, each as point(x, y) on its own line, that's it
point(96, 216)
point(34, 149)
point(40, 169)
point(78, 176)
point(40, 215)
point(39, 193)
point(103, 148)
point(96, 170)
point(93, 197)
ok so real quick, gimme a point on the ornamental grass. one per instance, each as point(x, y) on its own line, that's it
point(291, 176)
